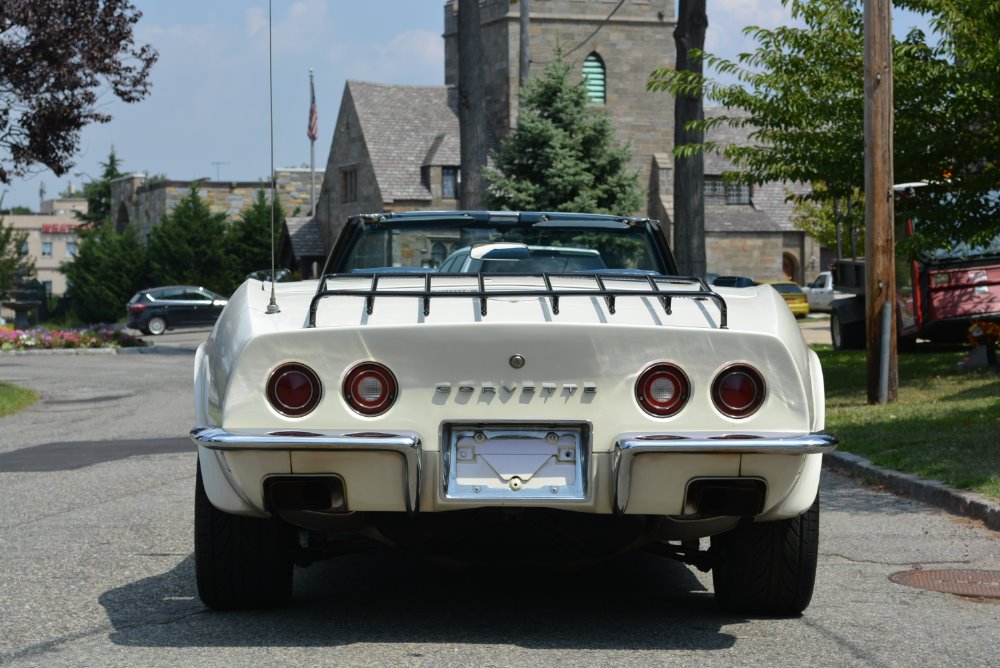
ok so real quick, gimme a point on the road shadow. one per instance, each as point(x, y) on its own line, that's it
point(636, 602)
point(70, 455)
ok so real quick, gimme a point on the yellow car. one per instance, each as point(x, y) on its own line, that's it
point(794, 297)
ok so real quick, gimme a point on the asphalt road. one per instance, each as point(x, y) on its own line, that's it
point(96, 495)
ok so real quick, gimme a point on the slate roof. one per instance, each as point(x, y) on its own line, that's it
point(405, 127)
point(304, 234)
point(768, 212)
point(723, 135)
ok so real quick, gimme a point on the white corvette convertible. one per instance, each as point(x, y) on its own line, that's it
point(460, 382)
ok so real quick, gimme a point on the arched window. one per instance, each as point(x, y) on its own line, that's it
point(122, 221)
point(594, 78)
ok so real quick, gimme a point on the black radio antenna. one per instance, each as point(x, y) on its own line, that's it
point(272, 306)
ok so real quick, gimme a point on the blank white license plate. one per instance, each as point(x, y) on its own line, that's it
point(516, 463)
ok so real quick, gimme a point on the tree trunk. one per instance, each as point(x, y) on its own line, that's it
point(689, 172)
point(524, 53)
point(471, 105)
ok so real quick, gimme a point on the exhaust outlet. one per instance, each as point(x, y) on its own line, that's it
point(323, 494)
point(739, 497)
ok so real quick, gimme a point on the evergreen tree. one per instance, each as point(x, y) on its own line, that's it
point(98, 193)
point(108, 268)
point(562, 155)
point(248, 239)
point(15, 264)
point(187, 247)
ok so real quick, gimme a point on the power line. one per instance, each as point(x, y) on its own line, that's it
point(598, 28)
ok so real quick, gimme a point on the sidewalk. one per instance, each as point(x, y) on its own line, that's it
point(816, 328)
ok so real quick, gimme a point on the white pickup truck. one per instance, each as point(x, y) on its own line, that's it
point(821, 292)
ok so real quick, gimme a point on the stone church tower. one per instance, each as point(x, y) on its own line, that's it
point(617, 44)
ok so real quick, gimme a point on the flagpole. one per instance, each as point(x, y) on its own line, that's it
point(312, 147)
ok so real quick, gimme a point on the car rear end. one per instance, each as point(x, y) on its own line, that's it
point(522, 407)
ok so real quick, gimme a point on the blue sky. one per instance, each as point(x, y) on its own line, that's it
point(209, 95)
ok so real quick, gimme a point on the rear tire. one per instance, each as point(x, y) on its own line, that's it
point(846, 335)
point(156, 326)
point(767, 568)
point(240, 562)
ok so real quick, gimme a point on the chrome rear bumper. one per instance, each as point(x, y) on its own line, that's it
point(405, 444)
point(408, 446)
point(629, 446)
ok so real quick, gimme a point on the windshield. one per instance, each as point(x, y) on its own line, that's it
point(963, 251)
point(501, 249)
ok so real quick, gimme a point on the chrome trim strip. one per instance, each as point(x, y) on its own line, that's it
point(628, 446)
point(405, 444)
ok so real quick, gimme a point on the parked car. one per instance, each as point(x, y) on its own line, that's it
point(734, 282)
point(155, 310)
point(503, 258)
point(281, 275)
point(821, 292)
point(582, 412)
point(793, 296)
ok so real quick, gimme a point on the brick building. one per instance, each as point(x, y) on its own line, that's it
point(397, 147)
point(52, 240)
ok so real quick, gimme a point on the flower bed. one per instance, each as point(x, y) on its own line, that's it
point(40, 338)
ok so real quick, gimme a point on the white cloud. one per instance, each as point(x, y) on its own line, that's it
point(414, 54)
point(728, 18)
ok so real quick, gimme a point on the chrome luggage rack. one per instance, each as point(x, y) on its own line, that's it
point(553, 294)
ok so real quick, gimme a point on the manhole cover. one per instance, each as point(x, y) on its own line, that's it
point(962, 582)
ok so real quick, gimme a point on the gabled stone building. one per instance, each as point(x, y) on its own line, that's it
point(394, 148)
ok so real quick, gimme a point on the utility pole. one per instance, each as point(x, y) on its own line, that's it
point(218, 163)
point(880, 278)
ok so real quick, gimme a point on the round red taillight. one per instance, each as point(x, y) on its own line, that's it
point(294, 389)
point(662, 390)
point(738, 391)
point(370, 389)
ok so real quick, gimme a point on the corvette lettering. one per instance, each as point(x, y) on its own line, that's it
point(507, 387)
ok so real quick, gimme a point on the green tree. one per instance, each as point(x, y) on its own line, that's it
point(187, 246)
point(15, 264)
point(98, 193)
point(248, 240)
point(59, 60)
point(108, 268)
point(820, 219)
point(801, 96)
point(109, 265)
point(562, 155)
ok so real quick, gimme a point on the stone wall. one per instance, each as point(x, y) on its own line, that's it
point(762, 255)
point(138, 200)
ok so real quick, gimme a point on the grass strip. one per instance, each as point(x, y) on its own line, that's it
point(944, 426)
point(14, 398)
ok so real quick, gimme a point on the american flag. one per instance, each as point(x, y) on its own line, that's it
point(313, 131)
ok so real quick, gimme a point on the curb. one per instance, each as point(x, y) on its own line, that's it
point(955, 501)
point(137, 350)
